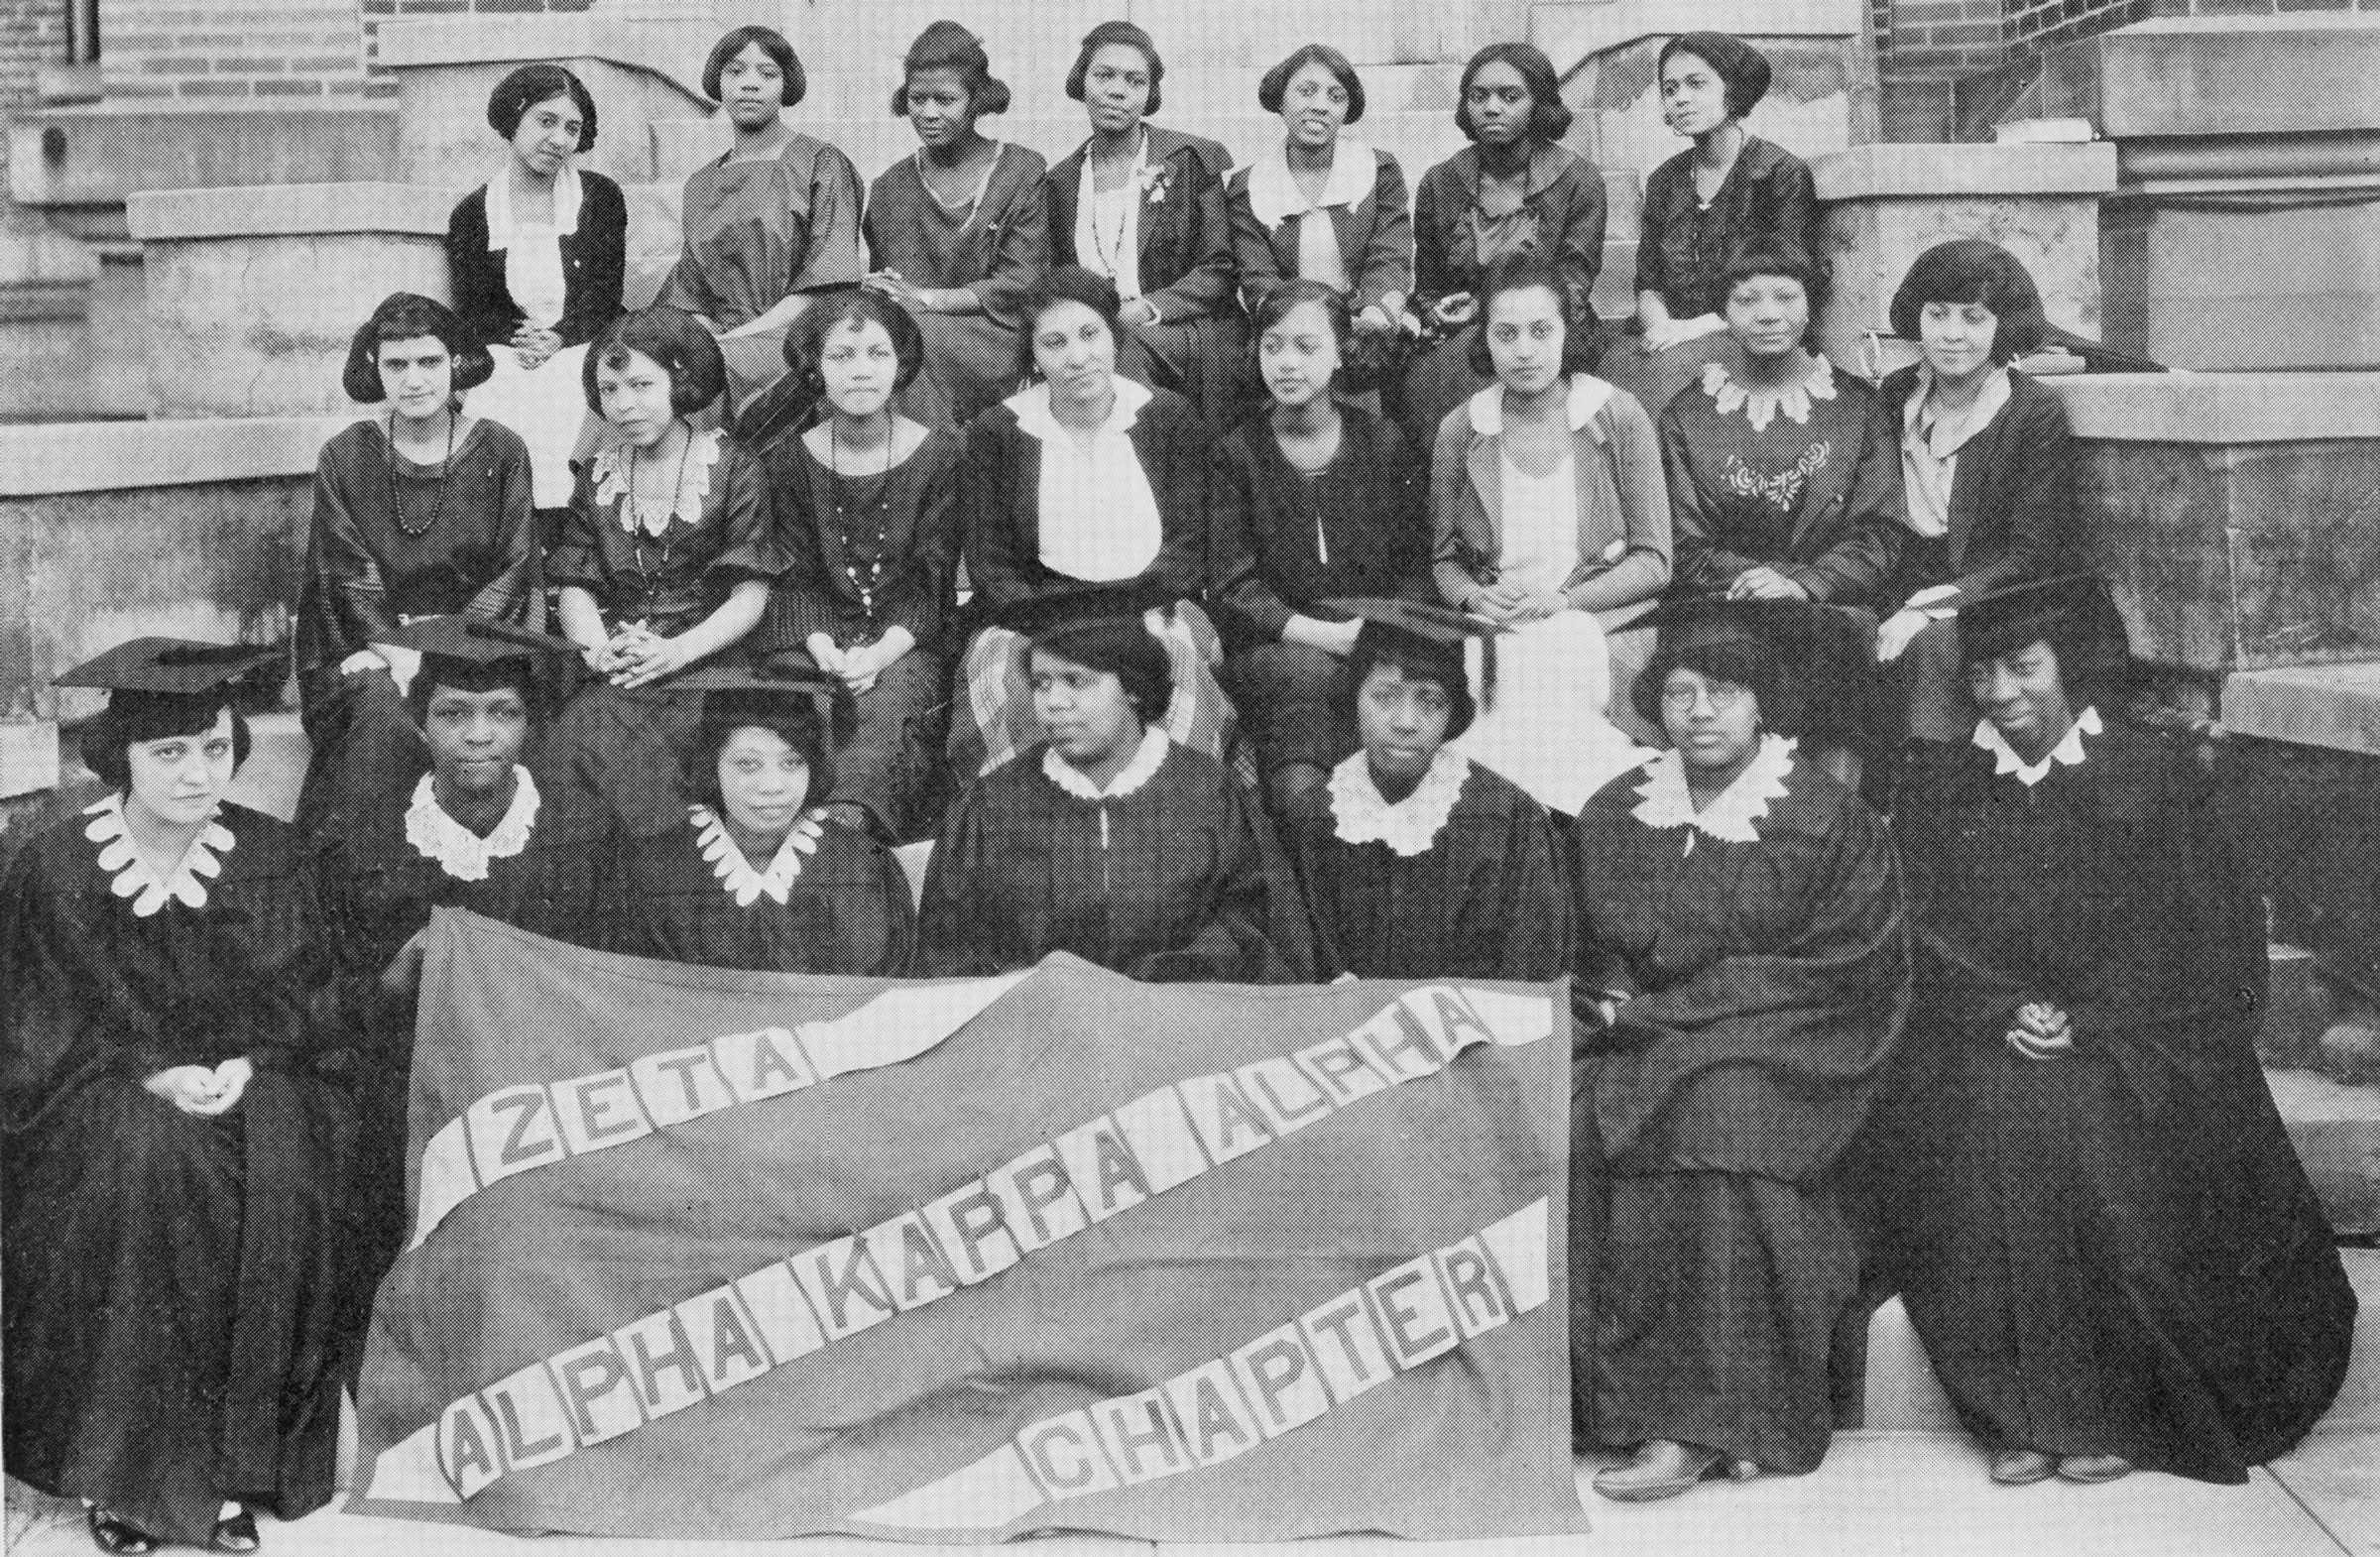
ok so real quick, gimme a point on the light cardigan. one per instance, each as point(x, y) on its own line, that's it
point(1624, 500)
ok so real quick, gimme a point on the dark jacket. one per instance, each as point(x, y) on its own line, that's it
point(1185, 248)
point(1768, 196)
point(2012, 498)
point(1565, 192)
point(1374, 233)
point(594, 267)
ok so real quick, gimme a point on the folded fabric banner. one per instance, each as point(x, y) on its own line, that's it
point(712, 1254)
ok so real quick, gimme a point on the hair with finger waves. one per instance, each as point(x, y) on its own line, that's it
point(806, 346)
point(946, 45)
point(1132, 35)
point(532, 84)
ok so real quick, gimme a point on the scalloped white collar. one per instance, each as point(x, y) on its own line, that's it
point(736, 876)
point(2069, 749)
point(1144, 767)
point(1274, 194)
point(460, 852)
point(1362, 814)
point(610, 475)
point(1760, 404)
point(1034, 416)
point(132, 876)
point(1587, 395)
point(1663, 799)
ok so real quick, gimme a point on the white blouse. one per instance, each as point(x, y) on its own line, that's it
point(1538, 529)
point(1107, 225)
point(1099, 518)
point(533, 251)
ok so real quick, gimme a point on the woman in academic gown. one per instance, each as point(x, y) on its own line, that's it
point(1108, 839)
point(2096, 1220)
point(175, 1138)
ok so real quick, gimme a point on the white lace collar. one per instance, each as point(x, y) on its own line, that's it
point(1274, 194)
point(1664, 800)
point(1144, 767)
point(503, 230)
point(460, 852)
point(736, 876)
point(2069, 749)
point(1362, 814)
point(1034, 416)
point(1587, 395)
point(610, 474)
point(133, 877)
point(1761, 403)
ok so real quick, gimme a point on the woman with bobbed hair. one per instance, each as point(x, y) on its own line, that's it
point(958, 229)
point(1516, 190)
point(1987, 465)
point(773, 220)
point(1143, 206)
point(420, 509)
point(536, 257)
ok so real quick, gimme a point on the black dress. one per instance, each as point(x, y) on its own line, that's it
point(2114, 1251)
point(840, 904)
point(169, 1279)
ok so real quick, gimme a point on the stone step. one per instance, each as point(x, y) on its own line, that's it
point(2335, 707)
point(866, 92)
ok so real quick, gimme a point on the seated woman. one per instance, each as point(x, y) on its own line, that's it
point(536, 257)
point(1422, 863)
point(774, 219)
point(867, 509)
point(1143, 207)
point(1325, 207)
point(1730, 189)
point(1987, 466)
point(665, 563)
point(957, 230)
point(1550, 520)
point(2095, 1217)
point(758, 875)
point(1516, 191)
point(1109, 839)
point(419, 512)
point(173, 1149)
point(1743, 974)
point(1086, 477)
point(1314, 499)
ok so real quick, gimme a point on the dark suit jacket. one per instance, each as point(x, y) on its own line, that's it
point(2012, 499)
point(1185, 249)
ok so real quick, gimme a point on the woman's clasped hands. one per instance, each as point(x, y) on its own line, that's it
point(203, 1090)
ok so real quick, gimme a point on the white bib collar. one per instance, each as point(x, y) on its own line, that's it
point(1359, 813)
point(2067, 751)
point(1274, 194)
point(132, 876)
point(736, 876)
point(460, 852)
point(1733, 815)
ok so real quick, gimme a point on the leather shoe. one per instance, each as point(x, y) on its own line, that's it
point(2092, 1469)
point(111, 1534)
point(236, 1532)
point(1661, 1468)
point(2022, 1467)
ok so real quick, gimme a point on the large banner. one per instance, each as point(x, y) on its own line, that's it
point(700, 1252)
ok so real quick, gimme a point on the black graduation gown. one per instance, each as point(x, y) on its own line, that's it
point(2114, 1251)
point(168, 1278)
point(848, 912)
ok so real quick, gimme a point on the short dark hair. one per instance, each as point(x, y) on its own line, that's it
point(1549, 116)
point(1582, 335)
point(1065, 284)
point(1290, 295)
point(1971, 269)
point(532, 84)
point(805, 344)
point(1415, 662)
point(793, 721)
point(1760, 258)
point(1273, 90)
point(521, 675)
point(1744, 70)
point(1122, 647)
point(1740, 661)
point(1132, 35)
point(671, 338)
point(946, 45)
point(773, 43)
point(408, 315)
point(130, 718)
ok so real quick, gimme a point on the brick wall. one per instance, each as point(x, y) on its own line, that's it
point(375, 11)
point(193, 54)
point(33, 33)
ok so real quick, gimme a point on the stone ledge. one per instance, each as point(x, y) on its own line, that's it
point(1945, 171)
point(2333, 707)
point(2238, 75)
point(45, 459)
point(288, 210)
point(106, 152)
point(2221, 409)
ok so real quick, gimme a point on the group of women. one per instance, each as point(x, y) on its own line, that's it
point(979, 567)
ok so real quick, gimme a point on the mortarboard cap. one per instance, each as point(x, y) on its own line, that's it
point(473, 654)
point(1082, 604)
point(171, 666)
point(2071, 612)
point(1818, 658)
point(765, 690)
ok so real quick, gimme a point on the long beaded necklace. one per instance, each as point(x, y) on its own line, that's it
point(1111, 254)
point(633, 512)
point(445, 468)
point(879, 558)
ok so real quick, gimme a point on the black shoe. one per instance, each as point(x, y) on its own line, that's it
point(236, 1532)
point(111, 1534)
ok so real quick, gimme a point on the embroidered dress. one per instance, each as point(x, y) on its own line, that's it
point(830, 901)
point(1759, 951)
point(166, 1321)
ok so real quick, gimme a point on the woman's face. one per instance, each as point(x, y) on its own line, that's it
point(1314, 106)
point(1714, 723)
point(1401, 720)
point(1499, 105)
point(859, 366)
point(1297, 355)
point(763, 781)
point(1084, 713)
point(1116, 89)
point(547, 135)
point(1768, 314)
point(417, 376)
point(636, 398)
point(475, 738)
point(2023, 694)
point(1694, 97)
point(752, 88)
point(1525, 333)
point(179, 779)
point(941, 109)
point(1074, 349)
point(1955, 338)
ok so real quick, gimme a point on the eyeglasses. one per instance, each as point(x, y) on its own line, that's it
point(1724, 698)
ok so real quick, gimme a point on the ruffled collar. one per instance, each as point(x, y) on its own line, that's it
point(1921, 421)
point(2067, 751)
point(460, 852)
point(1733, 815)
point(503, 231)
point(132, 875)
point(1142, 768)
point(736, 876)
point(1761, 403)
point(1274, 194)
point(1033, 414)
point(1587, 395)
point(610, 474)
point(1362, 814)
